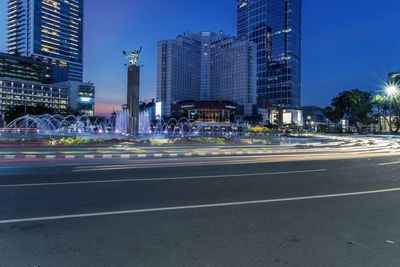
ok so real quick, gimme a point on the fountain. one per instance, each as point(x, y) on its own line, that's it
point(30, 126)
point(122, 122)
point(183, 127)
point(190, 128)
point(57, 125)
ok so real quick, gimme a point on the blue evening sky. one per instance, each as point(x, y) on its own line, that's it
point(346, 43)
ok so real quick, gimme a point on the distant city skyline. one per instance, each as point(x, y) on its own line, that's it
point(343, 48)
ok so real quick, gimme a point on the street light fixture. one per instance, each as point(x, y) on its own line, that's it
point(391, 90)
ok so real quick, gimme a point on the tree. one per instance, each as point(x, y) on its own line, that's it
point(40, 109)
point(393, 104)
point(383, 106)
point(379, 102)
point(354, 105)
point(334, 115)
point(20, 111)
point(253, 118)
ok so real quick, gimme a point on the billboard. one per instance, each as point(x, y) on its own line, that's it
point(158, 110)
point(87, 100)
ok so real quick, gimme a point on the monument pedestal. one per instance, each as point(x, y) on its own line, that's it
point(133, 98)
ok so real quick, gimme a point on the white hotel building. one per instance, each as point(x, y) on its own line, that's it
point(206, 66)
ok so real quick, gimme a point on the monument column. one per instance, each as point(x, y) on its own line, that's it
point(133, 91)
point(133, 98)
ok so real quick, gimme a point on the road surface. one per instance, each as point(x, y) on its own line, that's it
point(333, 208)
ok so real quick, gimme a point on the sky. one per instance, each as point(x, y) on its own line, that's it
point(346, 44)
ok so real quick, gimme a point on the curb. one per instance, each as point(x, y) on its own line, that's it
point(138, 156)
point(50, 156)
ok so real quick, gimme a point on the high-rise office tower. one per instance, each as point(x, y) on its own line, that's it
point(275, 26)
point(48, 30)
point(22, 68)
point(206, 66)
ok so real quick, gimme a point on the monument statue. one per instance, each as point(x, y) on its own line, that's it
point(133, 56)
point(133, 90)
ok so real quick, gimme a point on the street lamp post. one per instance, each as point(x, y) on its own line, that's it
point(390, 117)
point(391, 90)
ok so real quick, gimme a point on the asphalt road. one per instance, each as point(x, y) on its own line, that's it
point(208, 211)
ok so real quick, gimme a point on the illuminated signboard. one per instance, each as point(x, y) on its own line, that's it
point(287, 118)
point(83, 99)
point(158, 109)
point(188, 106)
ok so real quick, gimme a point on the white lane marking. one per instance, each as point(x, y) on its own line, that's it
point(215, 153)
point(389, 163)
point(125, 156)
point(142, 155)
point(202, 154)
point(89, 156)
point(188, 154)
point(9, 157)
point(173, 155)
point(50, 156)
point(215, 205)
point(158, 155)
point(107, 156)
point(70, 156)
point(164, 179)
point(30, 156)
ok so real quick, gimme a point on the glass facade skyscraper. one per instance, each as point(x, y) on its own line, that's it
point(17, 27)
point(48, 30)
point(275, 26)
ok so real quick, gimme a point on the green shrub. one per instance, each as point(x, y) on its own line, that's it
point(70, 141)
point(52, 142)
point(215, 141)
point(159, 142)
